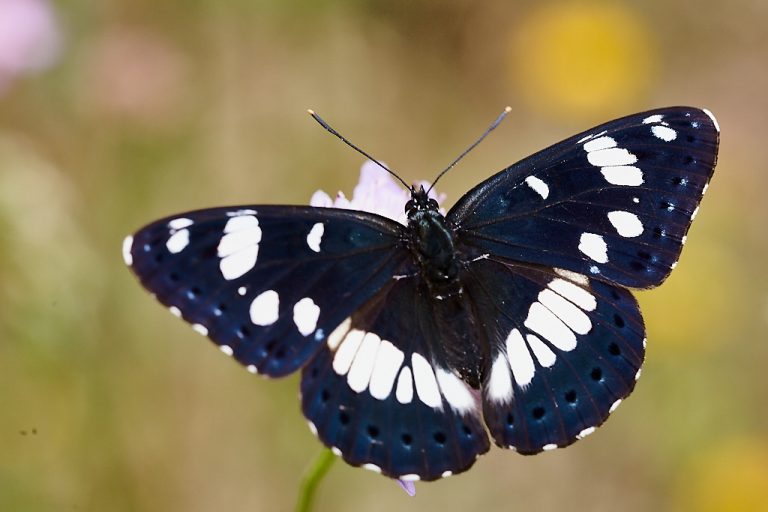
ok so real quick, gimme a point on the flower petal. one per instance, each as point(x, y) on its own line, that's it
point(408, 487)
point(376, 192)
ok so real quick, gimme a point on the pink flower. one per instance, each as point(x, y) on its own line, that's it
point(408, 486)
point(30, 39)
point(377, 192)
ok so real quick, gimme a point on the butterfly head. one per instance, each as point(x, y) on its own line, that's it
point(420, 202)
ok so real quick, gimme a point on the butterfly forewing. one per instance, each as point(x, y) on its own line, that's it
point(614, 202)
point(266, 283)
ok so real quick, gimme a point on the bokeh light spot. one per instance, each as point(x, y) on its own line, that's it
point(729, 478)
point(577, 59)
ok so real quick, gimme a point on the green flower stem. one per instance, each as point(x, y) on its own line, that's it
point(312, 479)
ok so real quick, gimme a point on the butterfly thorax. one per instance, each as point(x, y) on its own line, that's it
point(431, 242)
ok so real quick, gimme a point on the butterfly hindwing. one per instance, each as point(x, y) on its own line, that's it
point(381, 393)
point(266, 283)
point(565, 351)
point(614, 202)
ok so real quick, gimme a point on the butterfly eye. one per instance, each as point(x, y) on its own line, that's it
point(409, 206)
point(433, 204)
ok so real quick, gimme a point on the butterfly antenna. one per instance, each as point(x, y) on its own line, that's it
point(328, 127)
point(493, 126)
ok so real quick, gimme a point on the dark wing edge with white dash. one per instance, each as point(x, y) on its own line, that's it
point(266, 283)
point(614, 202)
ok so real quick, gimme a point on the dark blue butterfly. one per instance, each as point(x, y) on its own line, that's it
point(509, 313)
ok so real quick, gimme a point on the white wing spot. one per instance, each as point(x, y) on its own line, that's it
point(127, 246)
point(305, 315)
point(312, 428)
point(252, 369)
point(237, 264)
point(656, 118)
point(575, 294)
point(627, 224)
point(545, 323)
point(549, 447)
point(404, 391)
point(426, 383)
point(664, 133)
point(389, 359)
point(239, 247)
point(611, 157)
point(335, 451)
point(315, 236)
point(175, 311)
point(572, 316)
point(627, 175)
point(446, 474)
point(226, 349)
point(344, 356)
point(538, 186)
point(177, 241)
point(500, 382)
point(614, 406)
point(180, 223)
point(584, 433)
point(543, 353)
point(359, 375)
point(455, 391)
point(592, 136)
point(410, 477)
point(600, 144)
point(200, 329)
point(338, 334)
point(520, 360)
point(179, 238)
point(572, 276)
point(594, 247)
point(241, 291)
point(372, 467)
point(265, 307)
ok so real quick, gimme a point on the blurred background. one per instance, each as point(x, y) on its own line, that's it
point(115, 113)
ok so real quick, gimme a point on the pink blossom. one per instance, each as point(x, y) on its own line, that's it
point(30, 38)
point(408, 486)
point(376, 192)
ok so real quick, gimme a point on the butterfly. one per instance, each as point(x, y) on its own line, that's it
point(509, 317)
